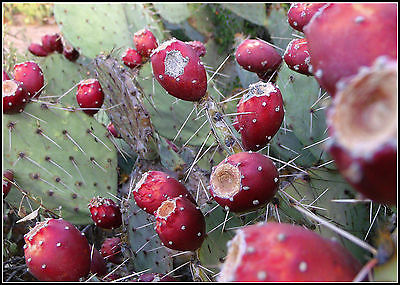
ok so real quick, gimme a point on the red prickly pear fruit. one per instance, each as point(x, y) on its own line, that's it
point(155, 277)
point(52, 43)
point(30, 73)
point(180, 224)
point(260, 115)
point(354, 35)
point(37, 49)
point(56, 250)
point(155, 187)
point(105, 213)
point(244, 181)
point(9, 174)
point(5, 76)
point(363, 131)
point(90, 96)
point(235, 124)
point(113, 131)
point(199, 47)
point(98, 264)
point(15, 97)
point(258, 56)
point(178, 69)
point(145, 42)
point(132, 58)
point(111, 250)
point(300, 14)
point(297, 57)
point(71, 53)
point(275, 252)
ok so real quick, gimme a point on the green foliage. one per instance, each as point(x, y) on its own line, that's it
point(31, 12)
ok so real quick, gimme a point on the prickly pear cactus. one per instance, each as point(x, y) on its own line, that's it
point(61, 157)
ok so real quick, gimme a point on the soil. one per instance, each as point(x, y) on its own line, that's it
point(20, 35)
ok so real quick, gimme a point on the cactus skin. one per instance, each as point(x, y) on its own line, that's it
point(5, 76)
point(51, 166)
point(15, 97)
point(105, 213)
point(37, 49)
point(52, 43)
point(244, 181)
point(275, 252)
point(155, 187)
point(145, 42)
point(9, 174)
point(57, 251)
point(300, 14)
point(180, 224)
point(132, 58)
point(367, 157)
point(111, 250)
point(178, 69)
point(90, 95)
point(71, 53)
point(258, 56)
point(262, 108)
point(98, 264)
point(297, 57)
point(359, 26)
point(30, 73)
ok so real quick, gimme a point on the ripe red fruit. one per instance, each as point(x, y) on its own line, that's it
point(235, 124)
point(15, 97)
point(244, 181)
point(260, 115)
point(9, 174)
point(258, 56)
point(274, 252)
point(363, 130)
point(199, 47)
point(30, 73)
point(105, 213)
point(132, 58)
point(55, 250)
point(5, 76)
point(178, 69)
point(297, 56)
point(90, 96)
point(70, 53)
point(180, 224)
point(113, 131)
point(145, 42)
point(300, 14)
point(155, 187)
point(354, 35)
point(52, 43)
point(111, 250)
point(98, 264)
point(37, 49)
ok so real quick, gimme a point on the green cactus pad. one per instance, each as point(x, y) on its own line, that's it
point(214, 247)
point(173, 12)
point(254, 13)
point(144, 242)
point(61, 75)
point(96, 28)
point(318, 191)
point(62, 169)
point(299, 94)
